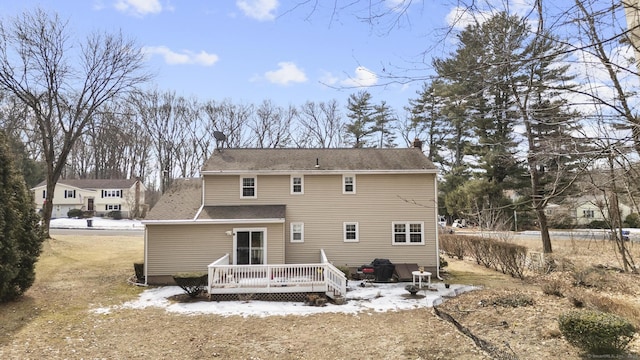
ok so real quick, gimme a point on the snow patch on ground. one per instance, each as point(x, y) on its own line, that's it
point(377, 298)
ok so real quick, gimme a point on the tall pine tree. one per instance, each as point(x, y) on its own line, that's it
point(361, 113)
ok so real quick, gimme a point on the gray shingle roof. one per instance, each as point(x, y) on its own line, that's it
point(243, 212)
point(95, 183)
point(180, 202)
point(259, 160)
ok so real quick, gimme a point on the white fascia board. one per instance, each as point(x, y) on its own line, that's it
point(317, 172)
point(213, 221)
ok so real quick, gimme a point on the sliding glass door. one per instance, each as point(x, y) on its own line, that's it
point(250, 247)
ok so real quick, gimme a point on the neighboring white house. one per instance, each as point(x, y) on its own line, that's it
point(99, 196)
point(591, 208)
point(585, 209)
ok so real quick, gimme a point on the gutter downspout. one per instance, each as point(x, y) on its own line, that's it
point(146, 263)
point(201, 203)
point(435, 182)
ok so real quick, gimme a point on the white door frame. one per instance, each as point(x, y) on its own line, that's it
point(255, 229)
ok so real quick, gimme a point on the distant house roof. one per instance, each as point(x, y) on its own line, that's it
point(287, 160)
point(95, 183)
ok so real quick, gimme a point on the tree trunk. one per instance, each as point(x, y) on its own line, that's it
point(47, 209)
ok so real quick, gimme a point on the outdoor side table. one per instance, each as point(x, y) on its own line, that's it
point(420, 275)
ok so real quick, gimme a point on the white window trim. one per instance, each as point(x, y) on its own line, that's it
point(344, 231)
point(344, 177)
point(291, 239)
point(408, 233)
point(301, 184)
point(255, 187)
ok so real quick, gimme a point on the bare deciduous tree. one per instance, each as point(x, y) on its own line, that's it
point(230, 119)
point(63, 88)
point(271, 125)
point(321, 125)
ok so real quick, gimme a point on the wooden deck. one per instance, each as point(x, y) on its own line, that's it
point(323, 277)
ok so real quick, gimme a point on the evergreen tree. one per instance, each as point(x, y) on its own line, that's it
point(426, 113)
point(503, 75)
point(360, 111)
point(383, 119)
point(20, 234)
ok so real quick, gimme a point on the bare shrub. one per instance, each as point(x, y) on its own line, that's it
point(589, 277)
point(454, 245)
point(481, 250)
point(510, 258)
point(553, 287)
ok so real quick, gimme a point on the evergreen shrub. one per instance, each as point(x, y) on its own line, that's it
point(193, 284)
point(596, 332)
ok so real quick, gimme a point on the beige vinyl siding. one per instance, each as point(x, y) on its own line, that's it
point(380, 199)
point(192, 247)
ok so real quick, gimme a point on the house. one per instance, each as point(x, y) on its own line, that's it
point(588, 208)
point(259, 207)
point(99, 196)
point(585, 209)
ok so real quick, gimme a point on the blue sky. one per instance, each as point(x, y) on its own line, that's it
point(254, 50)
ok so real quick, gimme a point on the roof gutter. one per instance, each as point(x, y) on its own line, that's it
point(213, 221)
point(317, 172)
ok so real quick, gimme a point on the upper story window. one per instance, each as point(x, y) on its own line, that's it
point(297, 184)
point(248, 187)
point(69, 194)
point(111, 193)
point(408, 233)
point(348, 184)
point(44, 194)
point(297, 232)
point(351, 232)
point(589, 213)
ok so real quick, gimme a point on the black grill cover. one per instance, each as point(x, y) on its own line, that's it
point(383, 270)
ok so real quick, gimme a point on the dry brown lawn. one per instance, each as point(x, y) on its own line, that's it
point(76, 274)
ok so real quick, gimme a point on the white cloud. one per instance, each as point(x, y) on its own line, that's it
point(262, 10)
point(363, 77)
point(186, 57)
point(397, 5)
point(287, 73)
point(139, 7)
point(459, 17)
point(329, 79)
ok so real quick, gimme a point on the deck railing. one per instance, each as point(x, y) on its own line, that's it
point(275, 278)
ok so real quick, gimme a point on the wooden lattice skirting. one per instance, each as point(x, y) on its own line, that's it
point(292, 297)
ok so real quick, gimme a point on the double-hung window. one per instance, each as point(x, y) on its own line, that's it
point(351, 232)
point(69, 194)
point(111, 193)
point(588, 213)
point(297, 232)
point(297, 184)
point(408, 233)
point(248, 187)
point(348, 184)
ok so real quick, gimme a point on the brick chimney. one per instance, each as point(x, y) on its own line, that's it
point(417, 143)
